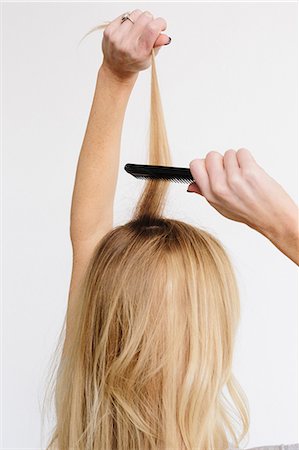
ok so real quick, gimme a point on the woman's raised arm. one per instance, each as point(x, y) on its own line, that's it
point(127, 49)
point(97, 168)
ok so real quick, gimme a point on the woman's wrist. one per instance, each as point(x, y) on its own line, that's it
point(123, 80)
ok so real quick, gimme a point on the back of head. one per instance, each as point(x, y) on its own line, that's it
point(152, 348)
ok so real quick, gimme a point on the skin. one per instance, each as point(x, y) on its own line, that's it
point(239, 189)
point(127, 50)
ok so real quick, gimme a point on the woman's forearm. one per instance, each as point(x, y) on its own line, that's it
point(97, 168)
point(284, 235)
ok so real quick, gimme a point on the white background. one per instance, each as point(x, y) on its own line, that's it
point(228, 80)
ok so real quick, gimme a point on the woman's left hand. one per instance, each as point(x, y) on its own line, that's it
point(127, 46)
point(239, 189)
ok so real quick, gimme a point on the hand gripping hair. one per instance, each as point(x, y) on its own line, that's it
point(150, 356)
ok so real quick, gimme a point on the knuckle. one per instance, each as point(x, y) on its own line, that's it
point(193, 162)
point(234, 181)
point(242, 149)
point(194, 165)
point(107, 32)
point(136, 12)
point(148, 14)
point(151, 28)
point(230, 151)
point(162, 22)
point(212, 154)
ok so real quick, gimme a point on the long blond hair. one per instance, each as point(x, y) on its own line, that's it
point(152, 347)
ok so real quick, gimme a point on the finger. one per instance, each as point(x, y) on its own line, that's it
point(139, 25)
point(200, 176)
point(245, 158)
point(231, 164)
point(151, 32)
point(215, 168)
point(140, 19)
point(127, 24)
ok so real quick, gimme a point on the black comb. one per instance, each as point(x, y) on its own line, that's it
point(146, 171)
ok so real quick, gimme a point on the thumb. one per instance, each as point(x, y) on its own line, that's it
point(194, 188)
point(163, 39)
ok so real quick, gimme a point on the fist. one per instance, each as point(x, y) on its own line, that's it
point(127, 46)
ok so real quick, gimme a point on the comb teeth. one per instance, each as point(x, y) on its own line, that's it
point(168, 178)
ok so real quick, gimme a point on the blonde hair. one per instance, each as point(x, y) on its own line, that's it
point(152, 348)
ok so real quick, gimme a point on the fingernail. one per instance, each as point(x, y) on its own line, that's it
point(189, 191)
point(168, 41)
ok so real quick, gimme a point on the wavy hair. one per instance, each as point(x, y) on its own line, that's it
point(151, 352)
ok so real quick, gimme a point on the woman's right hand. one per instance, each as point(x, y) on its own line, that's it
point(237, 187)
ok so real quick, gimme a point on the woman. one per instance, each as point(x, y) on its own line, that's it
point(153, 306)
